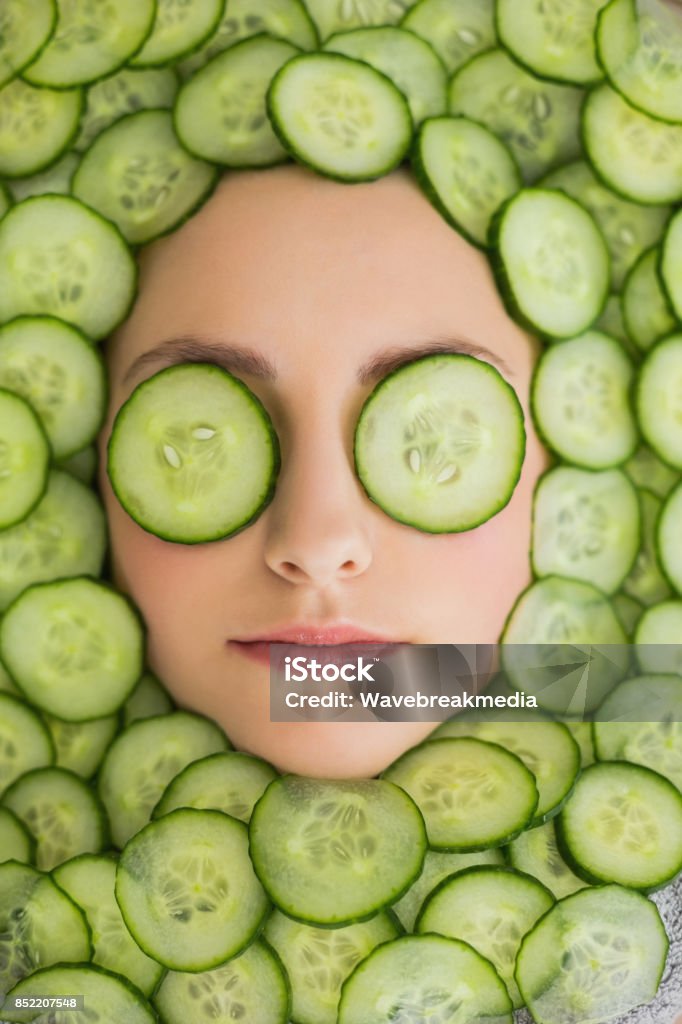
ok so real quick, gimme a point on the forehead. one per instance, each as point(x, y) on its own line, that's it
point(282, 260)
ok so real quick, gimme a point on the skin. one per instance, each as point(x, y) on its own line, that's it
point(318, 278)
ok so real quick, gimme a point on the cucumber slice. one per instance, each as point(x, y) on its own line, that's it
point(640, 48)
point(491, 908)
point(147, 699)
point(418, 977)
point(59, 257)
point(39, 925)
point(646, 470)
point(6, 684)
point(621, 734)
point(36, 126)
point(22, 38)
point(658, 399)
point(253, 988)
point(65, 535)
point(193, 455)
point(187, 890)
point(402, 56)
point(81, 746)
point(179, 27)
point(437, 866)
point(91, 40)
point(137, 175)
point(646, 310)
point(89, 880)
point(580, 400)
point(440, 442)
point(56, 369)
point(546, 748)
point(318, 960)
point(628, 228)
point(331, 16)
point(448, 777)
point(551, 262)
point(646, 583)
point(635, 155)
point(25, 742)
point(334, 852)
point(594, 956)
point(564, 644)
point(63, 814)
point(536, 852)
point(537, 119)
point(339, 116)
point(671, 264)
point(586, 526)
point(658, 638)
point(24, 459)
point(457, 32)
point(5, 200)
point(623, 824)
point(123, 93)
point(229, 781)
point(669, 538)
point(611, 322)
point(16, 842)
point(582, 734)
point(552, 41)
point(107, 996)
point(286, 19)
point(87, 650)
point(144, 758)
point(220, 112)
point(56, 178)
point(466, 172)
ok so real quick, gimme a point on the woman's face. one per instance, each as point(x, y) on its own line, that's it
point(310, 291)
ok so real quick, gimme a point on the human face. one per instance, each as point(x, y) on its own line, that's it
point(318, 289)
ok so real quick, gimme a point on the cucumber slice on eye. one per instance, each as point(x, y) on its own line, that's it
point(24, 459)
point(36, 126)
point(551, 262)
point(424, 978)
point(623, 824)
point(137, 175)
point(59, 257)
point(187, 891)
point(640, 48)
point(86, 654)
point(252, 988)
point(339, 116)
point(440, 443)
point(492, 909)
point(448, 778)
point(331, 853)
point(220, 113)
point(193, 456)
point(597, 954)
point(91, 40)
point(21, 38)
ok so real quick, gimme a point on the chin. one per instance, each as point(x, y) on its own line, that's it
point(335, 750)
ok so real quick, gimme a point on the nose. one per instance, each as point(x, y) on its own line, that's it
point(318, 526)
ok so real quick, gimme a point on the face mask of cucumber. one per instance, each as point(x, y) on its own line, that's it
point(359, 460)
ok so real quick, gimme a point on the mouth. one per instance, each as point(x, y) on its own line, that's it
point(332, 635)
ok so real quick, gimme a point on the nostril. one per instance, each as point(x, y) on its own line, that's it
point(349, 566)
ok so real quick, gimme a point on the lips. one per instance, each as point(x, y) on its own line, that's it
point(257, 648)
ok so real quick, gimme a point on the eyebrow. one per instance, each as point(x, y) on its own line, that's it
point(241, 360)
